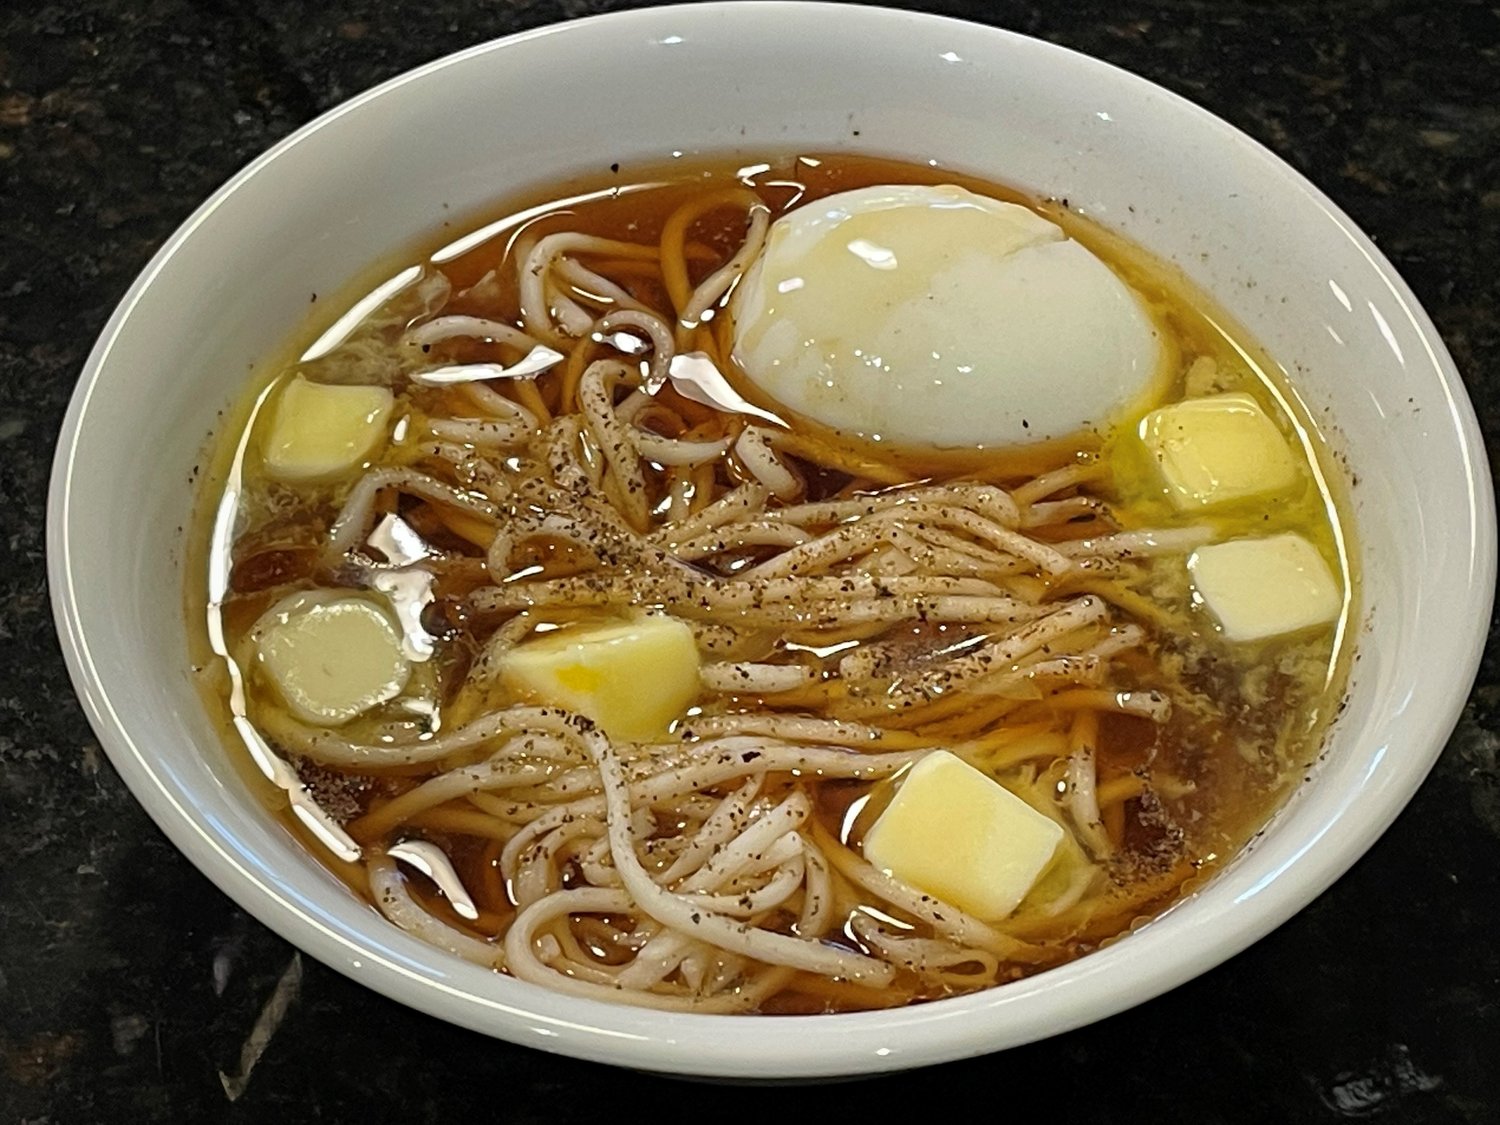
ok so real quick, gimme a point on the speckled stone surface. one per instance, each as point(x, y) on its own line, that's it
point(128, 984)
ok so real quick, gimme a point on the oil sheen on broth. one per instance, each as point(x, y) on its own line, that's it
point(601, 631)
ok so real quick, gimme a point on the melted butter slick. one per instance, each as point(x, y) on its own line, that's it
point(220, 563)
point(408, 588)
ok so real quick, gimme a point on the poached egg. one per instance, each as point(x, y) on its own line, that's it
point(935, 317)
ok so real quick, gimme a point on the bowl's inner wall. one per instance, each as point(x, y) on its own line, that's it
point(451, 141)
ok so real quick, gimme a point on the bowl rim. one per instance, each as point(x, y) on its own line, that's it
point(751, 1047)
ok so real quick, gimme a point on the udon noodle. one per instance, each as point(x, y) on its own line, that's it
point(571, 444)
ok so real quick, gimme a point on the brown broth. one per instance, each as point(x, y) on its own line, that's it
point(1188, 792)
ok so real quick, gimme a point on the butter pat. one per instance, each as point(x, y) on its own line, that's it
point(1258, 588)
point(955, 834)
point(319, 430)
point(632, 678)
point(1217, 450)
point(331, 657)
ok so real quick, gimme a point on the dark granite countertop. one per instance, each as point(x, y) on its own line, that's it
point(128, 983)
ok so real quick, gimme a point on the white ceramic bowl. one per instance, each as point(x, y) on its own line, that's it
point(369, 176)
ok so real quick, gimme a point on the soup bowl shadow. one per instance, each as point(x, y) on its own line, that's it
point(761, 78)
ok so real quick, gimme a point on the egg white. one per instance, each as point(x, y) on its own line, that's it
point(935, 317)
